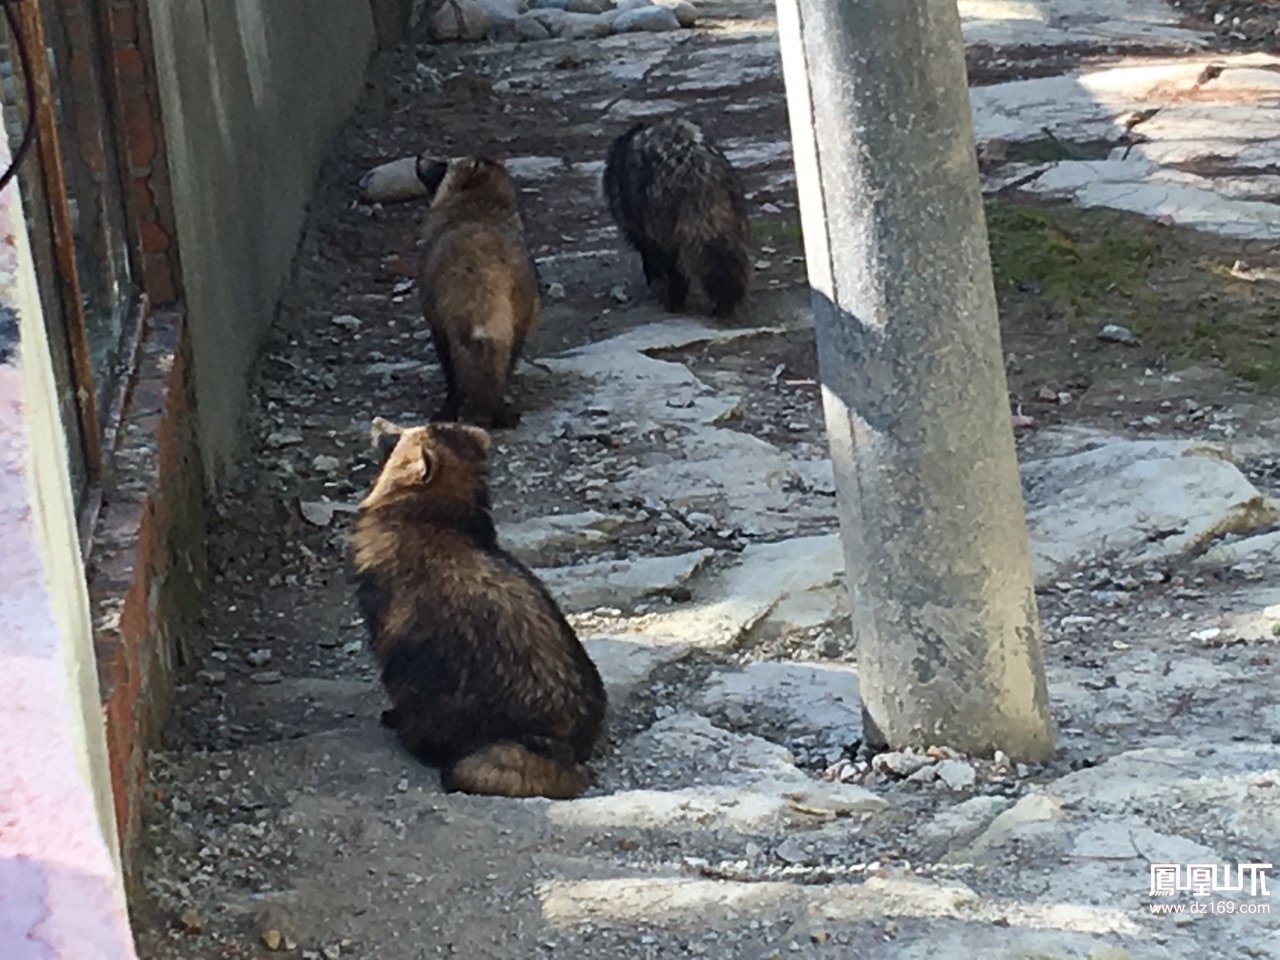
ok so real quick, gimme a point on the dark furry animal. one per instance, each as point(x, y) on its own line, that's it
point(487, 679)
point(678, 201)
point(478, 285)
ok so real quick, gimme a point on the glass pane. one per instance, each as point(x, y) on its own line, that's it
point(40, 232)
point(91, 166)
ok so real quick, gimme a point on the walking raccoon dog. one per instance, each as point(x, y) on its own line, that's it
point(487, 680)
point(678, 201)
point(478, 285)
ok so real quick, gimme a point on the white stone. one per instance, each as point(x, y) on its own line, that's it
point(1251, 549)
point(574, 26)
point(734, 600)
point(963, 821)
point(534, 539)
point(527, 26)
point(392, 182)
point(956, 774)
point(625, 663)
point(586, 586)
point(1148, 500)
point(1132, 839)
point(1140, 186)
point(646, 19)
point(502, 12)
point(459, 20)
point(817, 699)
point(686, 13)
point(1036, 814)
point(1062, 22)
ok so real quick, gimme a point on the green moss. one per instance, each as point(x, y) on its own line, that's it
point(1080, 269)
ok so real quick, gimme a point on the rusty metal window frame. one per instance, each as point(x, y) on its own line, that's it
point(97, 425)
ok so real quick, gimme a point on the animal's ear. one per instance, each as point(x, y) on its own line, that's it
point(431, 173)
point(466, 442)
point(384, 435)
point(478, 438)
point(426, 463)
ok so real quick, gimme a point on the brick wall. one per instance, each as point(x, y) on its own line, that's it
point(147, 564)
point(147, 561)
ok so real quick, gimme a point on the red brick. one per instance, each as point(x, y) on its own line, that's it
point(124, 24)
point(152, 237)
point(130, 65)
point(140, 138)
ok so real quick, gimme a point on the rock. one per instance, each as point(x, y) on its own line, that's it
point(503, 11)
point(548, 4)
point(734, 600)
point(842, 799)
point(963, 821)
point(620, 582)
point(586, 26)
point(189, 921)
point(791, 851)
point(316, 512)
point(588, 6)
point(816, 699)
point(625, 663)
point(529, 27)
point(1114, 333)
point(258, 658)
point(326, 464)
point(646, 19)
point(624, 5)
point(956, 774)
point(266, 677)
point(285, 438)
point(900, 763)
point(534, 541)
point(275, 927)
point(459, 21)
point(1144, 500)
point(1034, 815)
point(686, 13)
point(391, 183)
point(346, 320)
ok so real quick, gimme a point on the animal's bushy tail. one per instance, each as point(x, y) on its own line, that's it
point(509, 769)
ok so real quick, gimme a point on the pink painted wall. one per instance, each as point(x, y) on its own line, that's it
point(60, 893)
point(60, 896)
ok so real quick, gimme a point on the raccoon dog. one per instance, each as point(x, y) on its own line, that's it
point(486, 678)
point(477, 283)
point(678, 201)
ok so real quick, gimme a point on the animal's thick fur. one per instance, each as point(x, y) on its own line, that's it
point(478, 285)
point(679, 202)
point(487, 679)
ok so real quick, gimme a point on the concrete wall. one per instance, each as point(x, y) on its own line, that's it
point(251, 91)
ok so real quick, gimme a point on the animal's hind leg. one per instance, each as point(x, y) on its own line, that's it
point(725, 271)
point(453, 398)
point(676, 296)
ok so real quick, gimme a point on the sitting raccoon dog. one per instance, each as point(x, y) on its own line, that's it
point(678, 201)
point(487, 679)
point(478, 286)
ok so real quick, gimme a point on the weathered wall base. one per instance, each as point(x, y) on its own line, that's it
point(148, 564)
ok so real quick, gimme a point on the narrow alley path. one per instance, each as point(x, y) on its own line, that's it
point(670, 483)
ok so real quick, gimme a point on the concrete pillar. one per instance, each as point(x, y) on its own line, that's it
point(931, 511)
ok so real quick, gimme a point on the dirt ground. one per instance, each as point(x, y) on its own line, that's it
point(285, 660)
